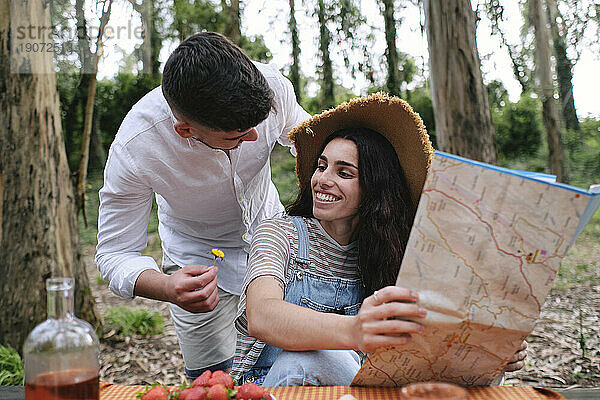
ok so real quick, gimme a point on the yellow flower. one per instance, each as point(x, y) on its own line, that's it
point(218, 254)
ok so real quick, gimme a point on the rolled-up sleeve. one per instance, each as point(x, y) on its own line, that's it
point(125, 204)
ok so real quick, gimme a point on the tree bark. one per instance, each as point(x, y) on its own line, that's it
point(463, 119)
point(550, 116)
point(83, 40)
point(564, 70)
point(327, 85)
point(89, 113)
point(38, 220)
point(295, 67)
point(97, 151)
point(152, 43)
point(232, 10)
point(391, 52)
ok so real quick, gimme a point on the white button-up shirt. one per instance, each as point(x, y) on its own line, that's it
point(205, 198)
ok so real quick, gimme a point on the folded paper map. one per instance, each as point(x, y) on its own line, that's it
point(483, 252)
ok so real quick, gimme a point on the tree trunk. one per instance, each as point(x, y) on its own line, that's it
point(155, 40)
point(462, 116)
point(85, 145)
point(295, 67)
point(327, 85)
point(97, 151)
point(564, 70)
point(89, 113)
point(83, 40)
point(391, 52)
point(556, 158)
point(38, 220)
point(232, 10)
point(152, 43)
point(147, 24)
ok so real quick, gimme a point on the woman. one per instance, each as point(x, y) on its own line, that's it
point(323, 277)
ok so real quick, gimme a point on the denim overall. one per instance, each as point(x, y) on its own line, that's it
point(324, 294)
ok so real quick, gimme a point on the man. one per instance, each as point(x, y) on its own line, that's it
point(201, 142)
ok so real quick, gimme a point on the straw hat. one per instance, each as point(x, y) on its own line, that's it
point(390, 116)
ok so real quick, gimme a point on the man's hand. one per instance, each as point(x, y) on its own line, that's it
point(193, 288)
point(518, 359)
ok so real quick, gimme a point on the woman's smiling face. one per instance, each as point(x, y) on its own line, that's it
point(335, 186)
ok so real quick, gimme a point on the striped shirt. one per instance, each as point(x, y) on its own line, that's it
point(273, 251)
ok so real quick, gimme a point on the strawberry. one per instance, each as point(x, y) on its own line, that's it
point(217, 392)
point(157, 392)
point(202, 380)
point(222, 378)
point(250, 391)
point(193, 393)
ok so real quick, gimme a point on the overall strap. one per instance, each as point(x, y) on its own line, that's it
point(303, 256)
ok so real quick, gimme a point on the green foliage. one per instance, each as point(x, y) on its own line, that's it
point(583, 150)
point(313, 105)
point(497, 95)
point(115, 97)
point(581, 274)
point(194, 16)
point(581, 267)
point(87, 236)
point(283, 171)
point(518, 126)
point(127, 321)
point(11, 367)
point(255, 48)
point(100, 281)
point(420, 100)
point(581, 375)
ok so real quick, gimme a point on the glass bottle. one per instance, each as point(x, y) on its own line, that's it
point(61, 353)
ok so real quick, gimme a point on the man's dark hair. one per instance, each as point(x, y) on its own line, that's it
point(211, 81)
point(384, 213)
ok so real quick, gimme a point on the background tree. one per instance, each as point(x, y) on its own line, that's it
point(391, 52)
point(74, 84)
point(556, 158)
point(462, 115)
point(295, 67)
point(520, 58)
point(89, 110)
point(327, 96)
point(232, 18)
point(194, 16)
point(564, 67)
point(38, 221)
point(149, 51)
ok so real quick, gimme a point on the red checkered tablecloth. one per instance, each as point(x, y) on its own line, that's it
point(120, 392)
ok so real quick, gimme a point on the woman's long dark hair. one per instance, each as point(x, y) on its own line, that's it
point(385, 211)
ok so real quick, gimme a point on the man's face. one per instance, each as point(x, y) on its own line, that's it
point(223, 140)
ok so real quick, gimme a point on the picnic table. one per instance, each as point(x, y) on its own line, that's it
point(121, 392)
point(110, 391)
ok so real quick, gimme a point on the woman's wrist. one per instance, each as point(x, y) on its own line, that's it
point(350, 332)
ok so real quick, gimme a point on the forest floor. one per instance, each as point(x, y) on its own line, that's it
point(568, 323)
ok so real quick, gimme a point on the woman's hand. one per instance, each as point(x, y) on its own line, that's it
point(518, 359)
point(374, 325)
